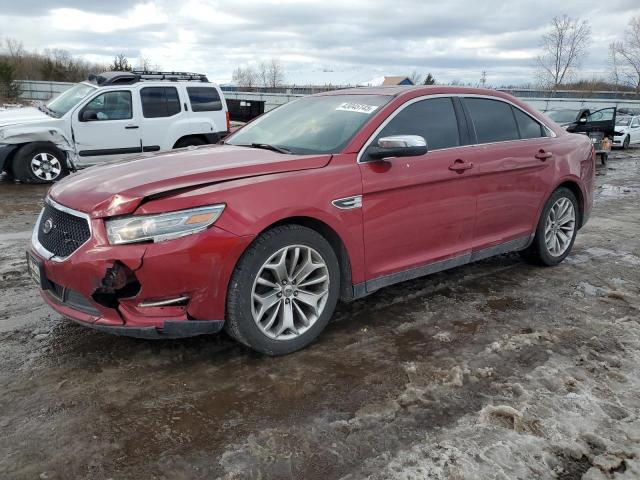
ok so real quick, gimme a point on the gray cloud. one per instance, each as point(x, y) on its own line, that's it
point(455, 39)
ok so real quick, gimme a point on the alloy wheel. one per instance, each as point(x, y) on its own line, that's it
point(559, 227)
point(45, 166)
point(290, 292)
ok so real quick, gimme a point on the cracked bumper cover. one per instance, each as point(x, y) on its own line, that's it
point(198, 266)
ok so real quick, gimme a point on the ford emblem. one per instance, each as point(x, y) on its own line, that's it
point(47, 226)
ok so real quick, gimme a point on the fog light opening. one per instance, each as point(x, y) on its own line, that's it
point(118, 282)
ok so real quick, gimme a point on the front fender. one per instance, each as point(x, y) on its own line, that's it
point(6, 151)
point(21, 134)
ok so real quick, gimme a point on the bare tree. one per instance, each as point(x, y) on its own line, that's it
point(245, 77)
point(120, 63)
point(415, 77)
point(145, 63)
point(270, 74)
point(15, 48)
point(275, 73)
point(629, 53)
point(563, 49)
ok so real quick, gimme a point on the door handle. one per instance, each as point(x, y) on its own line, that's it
point(542, 155)
point(460, 166)
point(131, 127)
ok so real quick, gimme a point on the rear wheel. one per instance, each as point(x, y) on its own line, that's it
point(557, 229)
point(39, 162)
point(283, 291)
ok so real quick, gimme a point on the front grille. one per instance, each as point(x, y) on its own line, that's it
point(62, 233)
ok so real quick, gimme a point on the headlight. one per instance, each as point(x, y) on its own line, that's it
point(163, 226)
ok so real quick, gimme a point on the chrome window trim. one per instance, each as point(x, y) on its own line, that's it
point(39, 248)
point(366, 145)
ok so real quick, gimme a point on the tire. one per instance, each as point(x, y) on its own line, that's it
point(189, 142)
point(626, 142)
point(259, 265)
point(540, 252)
point(39, 162)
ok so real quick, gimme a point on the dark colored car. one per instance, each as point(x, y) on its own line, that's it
point(329, 197)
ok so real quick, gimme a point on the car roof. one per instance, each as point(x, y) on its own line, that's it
point(399, 91)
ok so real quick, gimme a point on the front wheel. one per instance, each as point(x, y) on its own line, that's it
point(626, 142)
point(39, 162)
point(283, 291)
point(557, 229)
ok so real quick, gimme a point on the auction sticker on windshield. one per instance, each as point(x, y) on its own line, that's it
point(356, 107)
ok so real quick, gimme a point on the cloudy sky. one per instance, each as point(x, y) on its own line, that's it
point(316, 41)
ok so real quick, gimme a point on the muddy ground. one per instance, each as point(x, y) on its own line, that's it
point(497, 370)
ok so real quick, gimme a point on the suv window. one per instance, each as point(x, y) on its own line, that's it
point(635, 123)
point(529, 128)
point(492, 119)
point(108, 106)
point(433, 119)
point(204, 99)
point(159, 102)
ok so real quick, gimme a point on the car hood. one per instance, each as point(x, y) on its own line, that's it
point(118, 188)
point(19, 116)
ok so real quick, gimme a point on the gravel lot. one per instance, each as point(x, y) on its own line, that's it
point(496, 370)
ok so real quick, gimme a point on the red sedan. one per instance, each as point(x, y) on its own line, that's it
point(329, 197)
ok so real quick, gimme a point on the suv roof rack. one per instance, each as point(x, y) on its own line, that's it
point(135, 76)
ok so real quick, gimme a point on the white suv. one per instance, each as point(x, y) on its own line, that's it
point(627, 131)
point(113, 115)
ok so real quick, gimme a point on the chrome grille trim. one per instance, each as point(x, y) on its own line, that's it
point(40, 249)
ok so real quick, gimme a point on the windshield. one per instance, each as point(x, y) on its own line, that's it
point(623, 121)
point(69, 98)
point(563, 116)
point(322, 124)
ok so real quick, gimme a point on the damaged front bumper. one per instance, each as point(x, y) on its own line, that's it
point(168, 289)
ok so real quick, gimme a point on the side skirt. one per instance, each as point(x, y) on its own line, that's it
point(365, 288)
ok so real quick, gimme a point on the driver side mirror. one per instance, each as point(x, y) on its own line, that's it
point(88, 116)
point(398, 146)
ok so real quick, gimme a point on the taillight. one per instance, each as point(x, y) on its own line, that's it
point(228, 122)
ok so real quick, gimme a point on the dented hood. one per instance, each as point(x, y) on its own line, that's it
point(118, 188)
point(19, 116)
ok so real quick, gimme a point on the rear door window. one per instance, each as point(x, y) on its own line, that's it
point(529, 128)
point(433, 119)
point(204, 99)
point(159, 102)
point(492, 119)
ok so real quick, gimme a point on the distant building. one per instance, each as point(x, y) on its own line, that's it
point(397, 81)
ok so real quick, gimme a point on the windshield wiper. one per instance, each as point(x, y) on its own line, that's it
point(47, 110)
point(266, 146)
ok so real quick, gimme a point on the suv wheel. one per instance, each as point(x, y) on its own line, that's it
point(283, 291)
point(626, 142)
point(557, 229)
point(39, 162)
